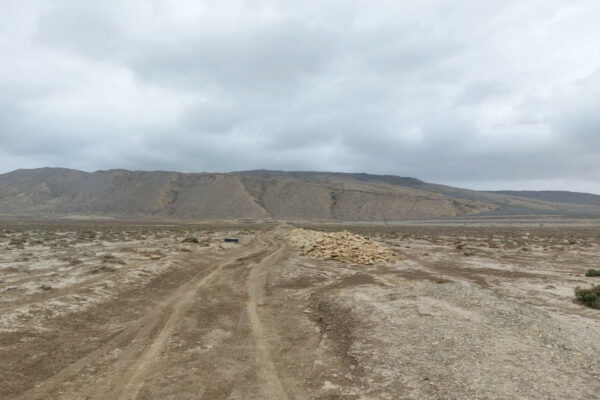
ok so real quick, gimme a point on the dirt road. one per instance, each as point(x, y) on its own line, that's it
point(132, 364)
point(257, 320)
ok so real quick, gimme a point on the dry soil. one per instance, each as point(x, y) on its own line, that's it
point(107, 311)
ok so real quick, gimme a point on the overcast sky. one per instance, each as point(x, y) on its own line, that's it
point(479, 94)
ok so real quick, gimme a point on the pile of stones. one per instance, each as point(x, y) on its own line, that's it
point(341, 246)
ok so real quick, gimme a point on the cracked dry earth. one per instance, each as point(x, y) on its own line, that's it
point(123, 312)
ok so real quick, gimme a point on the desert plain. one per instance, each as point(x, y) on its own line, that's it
point(460, 309)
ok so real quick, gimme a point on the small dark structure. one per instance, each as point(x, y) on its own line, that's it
point(231, 240)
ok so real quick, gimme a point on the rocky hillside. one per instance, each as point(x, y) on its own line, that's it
point(57, 192)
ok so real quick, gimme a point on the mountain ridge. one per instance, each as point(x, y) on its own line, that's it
point(264, 194)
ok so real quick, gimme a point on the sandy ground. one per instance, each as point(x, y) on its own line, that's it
point(101, 311)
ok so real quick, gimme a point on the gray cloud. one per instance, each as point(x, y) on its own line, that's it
point(479, 94)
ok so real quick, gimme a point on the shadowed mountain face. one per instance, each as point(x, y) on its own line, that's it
point(57, 192)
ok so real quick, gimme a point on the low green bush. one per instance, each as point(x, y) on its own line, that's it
point(190, 240)
point(593, 272)
point(590, 297)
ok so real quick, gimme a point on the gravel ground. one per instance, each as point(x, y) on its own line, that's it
point(458, 312)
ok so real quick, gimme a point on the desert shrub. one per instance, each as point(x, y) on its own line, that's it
point(190, 240)
point(593, 272)
point(469, 253)
point(590, 297)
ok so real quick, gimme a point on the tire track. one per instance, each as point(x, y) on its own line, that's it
point(142, 342)
point(131, 382)
point(273, 384)
point(129, 387)
point(240, 333)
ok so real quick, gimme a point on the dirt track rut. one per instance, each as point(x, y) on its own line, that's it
point(270, 377)
point(142, 345)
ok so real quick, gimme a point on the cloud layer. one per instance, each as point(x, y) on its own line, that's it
point(477, 93)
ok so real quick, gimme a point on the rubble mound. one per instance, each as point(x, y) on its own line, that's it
point(341, 246)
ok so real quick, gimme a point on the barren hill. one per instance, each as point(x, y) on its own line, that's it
point(57, 192)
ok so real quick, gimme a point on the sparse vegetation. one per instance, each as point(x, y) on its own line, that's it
point(593, 272)
point(590, 297)
point(111, 259)
point(190, 240)
point(438, 294)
